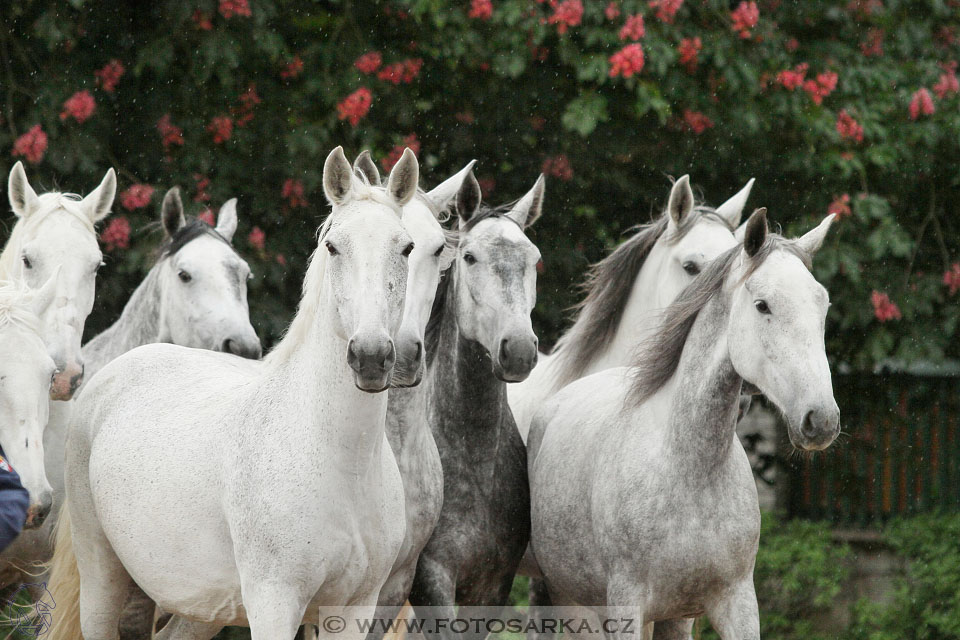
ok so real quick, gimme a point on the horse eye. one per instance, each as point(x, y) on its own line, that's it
point(407, 250)
point(691, 268)
point(332, 249)
point(436, 254)
point(469, 259)
point(27, 263)
point(184, 276)
point(761, 306)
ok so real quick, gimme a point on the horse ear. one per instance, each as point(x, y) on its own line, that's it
point(337, 177)
point(98, 202)
point(444, 193)
point(732, 209)
point(529, 207)
point(23, 199)
point(227, 219)
point(364, 166)
point(44, 296)
point(468, 198)
point(681, 200)
point(171, 212)
point(403, 180)
point(756, 232)
point(812, 240)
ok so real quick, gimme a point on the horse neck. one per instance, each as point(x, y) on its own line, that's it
point(139, 324)
point(307, 377)
point(704, 394)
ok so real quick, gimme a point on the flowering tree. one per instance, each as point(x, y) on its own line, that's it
point(849, 106)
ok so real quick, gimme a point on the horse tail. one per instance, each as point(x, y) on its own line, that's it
point(64, 583)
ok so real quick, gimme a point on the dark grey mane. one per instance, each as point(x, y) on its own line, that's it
point(607, 286)
point(186, 234)
point(658, 357)
point(486, 212)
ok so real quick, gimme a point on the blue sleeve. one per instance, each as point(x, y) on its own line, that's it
point(14, 502)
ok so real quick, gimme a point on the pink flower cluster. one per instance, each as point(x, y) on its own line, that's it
point(243, 113)
point(612, 10)
point(566, 14)
point(207, 216)
point(369, 62)
point(230, 8)
point(80, 106)
point(689, 50)
point(394, 156)
point(873, 45)
point(202, 20)
point(745, 17)
point(32, 145)
point(947, 83)
point(951, 278)
point(355, 106)
point(627, 62)
point(203, 183)
point(558, 166)
point(405, 71)
point(292, 68)
point(883, 308)
point(117, 234)
point(481, 9)
point(222, 129)
point(840, 206)
point(633, 29)
point(848, 128)
point(109, 76)
point(696, 121)
point(257, 238)
point(822, 87)
point(136, 196)
point(170, 134)
point(666, 9)
point(292, 191)
point(793, 78)
point(921, 104)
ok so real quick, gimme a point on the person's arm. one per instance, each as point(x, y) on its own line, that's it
point(14, 503)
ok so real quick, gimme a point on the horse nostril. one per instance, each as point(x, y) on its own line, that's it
point(503, 349)
point(352, 358)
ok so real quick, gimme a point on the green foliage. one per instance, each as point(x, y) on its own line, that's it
point(926, 605)
point(514, 92)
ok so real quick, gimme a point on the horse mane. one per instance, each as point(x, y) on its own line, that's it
point(183, 236)
point(607, 286)
point(658, 357)
point(15, 309)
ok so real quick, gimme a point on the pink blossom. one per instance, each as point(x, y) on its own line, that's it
point(293, 192)
point(170, 134)
point(873, 45)
point(612, 11)
point(202, 20)
point(257, 238)
point(292, 68)
point(110, 75)
point(136, 197)
point(627, 62)
point(696, 121)
point(792, 45)
point(947, 84)
point(404, 71)
point(883, 308)
point(566, 14)
point(203, 183)
point(481, 9)
point(117, 234)
point(394, 156)
point(32, 145)
point(822, 87)
point(848, 128)
point(951, 278)
point(666, 9)
point(230, 8)
point(745, 17)
point(243, 113)
point(355, 106)
point(281, 260)
point(558, 166)
point(369, 62)
point(921, 104)
point(411, 69)
point(207, 216)
point(689, 50)
point(633, 29)
point(793, 78)
point(840, 206)
point(80, 106)
point(222, 129)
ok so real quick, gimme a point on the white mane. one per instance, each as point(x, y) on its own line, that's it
point(15, 306)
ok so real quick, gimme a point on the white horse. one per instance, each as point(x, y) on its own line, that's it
point(196, 296)
point(658, 519)
point(26, 371)
point(279, 468)
point(57, 229)
point(627, 291)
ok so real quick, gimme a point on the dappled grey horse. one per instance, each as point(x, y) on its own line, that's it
point(478, 339)
point(658, 520)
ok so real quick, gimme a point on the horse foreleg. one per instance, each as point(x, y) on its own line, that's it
point(673, 629)
point(433, 596)
point(274, 608)
point(136, 623)
point(735, 615)
point(539, 598)
point(182, 629)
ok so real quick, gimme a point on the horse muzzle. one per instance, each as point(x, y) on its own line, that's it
point(818, 429)
point(38, 511)
point(243, 346)
point(408, 370)
point(516, 358)
point(371, 356)
point(66, 382)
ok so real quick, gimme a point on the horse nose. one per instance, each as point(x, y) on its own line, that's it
point(39, 510)
point(820, 427)
point(66, 381)
point(244, 348)
point(371, 356)
point(517, 357)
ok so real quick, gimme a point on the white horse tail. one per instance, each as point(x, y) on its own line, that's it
point(64, 583)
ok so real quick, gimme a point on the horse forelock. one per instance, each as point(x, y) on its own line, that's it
point(195, 228)
point(54, 202)
point(658, 357)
